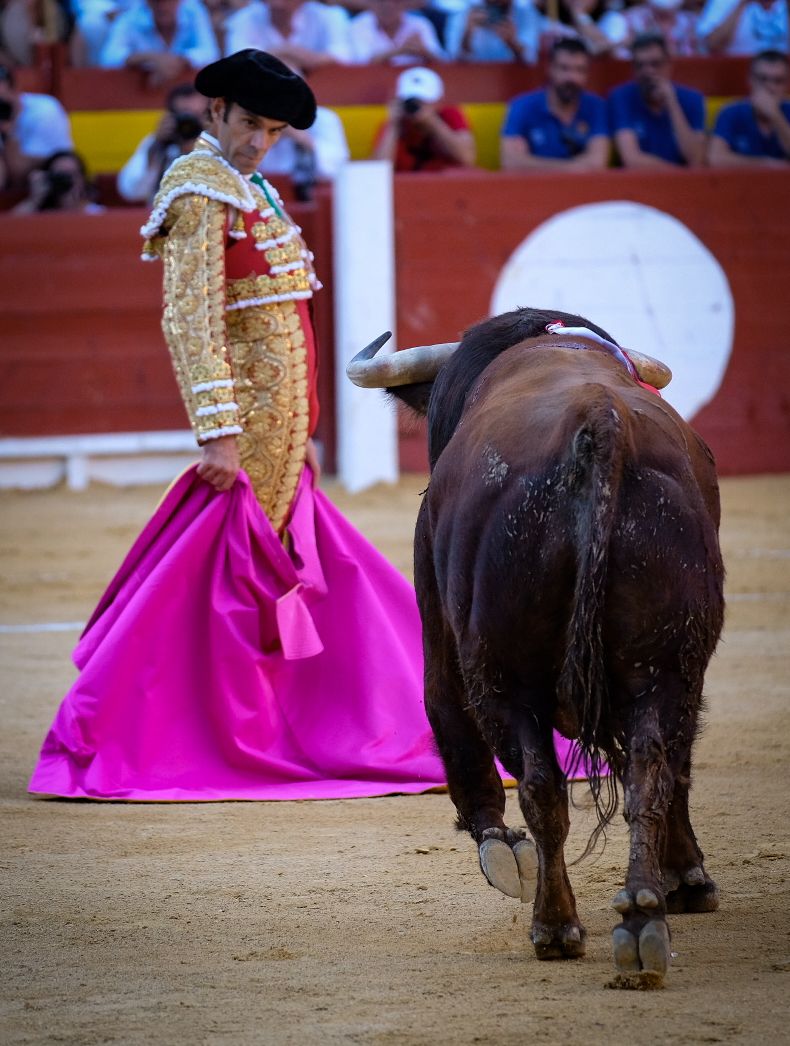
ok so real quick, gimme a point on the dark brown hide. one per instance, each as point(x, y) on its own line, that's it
point(568, 575)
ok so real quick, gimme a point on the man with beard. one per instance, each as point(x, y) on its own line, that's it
point(756, 132)
point(562, 126)
point(656, 123)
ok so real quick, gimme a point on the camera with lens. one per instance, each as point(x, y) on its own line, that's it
point(410, 106)
point(188, 127)
point(59, 182)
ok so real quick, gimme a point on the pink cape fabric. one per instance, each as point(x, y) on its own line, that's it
point(219, 666)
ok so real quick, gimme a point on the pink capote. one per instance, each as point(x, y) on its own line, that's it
point(219, 666)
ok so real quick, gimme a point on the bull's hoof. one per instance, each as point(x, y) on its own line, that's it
point(654, 950)
point(565, 942)
point(527, 861)
point(498, 864)
point(693, 897)
point(645, 957)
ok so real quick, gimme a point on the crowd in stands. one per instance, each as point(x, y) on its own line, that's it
point(167, 37)
point(649, 121)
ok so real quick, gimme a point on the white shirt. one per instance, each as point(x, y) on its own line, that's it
point(369, 41)
point(42, 126)
point(331, 148)
point(134, 31)
point(758, 29)
point(138, 180)
point(314, 26)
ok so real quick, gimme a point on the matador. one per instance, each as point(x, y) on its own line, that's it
point(238, 279)
point(252, 645)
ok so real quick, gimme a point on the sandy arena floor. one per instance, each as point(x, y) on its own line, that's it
point(367, 921)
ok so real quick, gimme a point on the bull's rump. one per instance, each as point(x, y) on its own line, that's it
point(561, 459)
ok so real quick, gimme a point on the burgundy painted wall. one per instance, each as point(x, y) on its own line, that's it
point(82, 350)
point(453, 235)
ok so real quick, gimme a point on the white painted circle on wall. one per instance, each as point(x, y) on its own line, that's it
point(640, 274)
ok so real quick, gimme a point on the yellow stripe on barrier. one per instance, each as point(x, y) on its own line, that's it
point(106, 139)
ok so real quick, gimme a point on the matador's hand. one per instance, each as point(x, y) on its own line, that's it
point(220, 463)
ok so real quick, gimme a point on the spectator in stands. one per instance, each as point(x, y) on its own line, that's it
point(303, 33)
point(656, 123)
point(183, 121)
point(744, 27)
point(496, 31)
point(390, 32)
point(306, 157)
point(756, 133)
point(420, 134)
point(602, 27)
point(164, 38)
point(562, 126)
point(220, 12)
point(667, 18)
point(60, 184)
point(24, 24)
point(32, 127)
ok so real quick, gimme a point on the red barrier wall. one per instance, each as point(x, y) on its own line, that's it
point(94, 89)
point(453, 235)
point(82, 350)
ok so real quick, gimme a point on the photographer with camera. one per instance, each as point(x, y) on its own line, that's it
point(421, 135)
point(178, 130)
point(32, 127)
point(60, 184)
point(562, 126)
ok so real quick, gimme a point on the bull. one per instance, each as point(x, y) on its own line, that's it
point(569, 577)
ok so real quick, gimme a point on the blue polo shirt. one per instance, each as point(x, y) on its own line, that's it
point(628, 112)
point(529, 117)
point(737, 125)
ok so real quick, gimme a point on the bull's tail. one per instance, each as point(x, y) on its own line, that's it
point(596, 462)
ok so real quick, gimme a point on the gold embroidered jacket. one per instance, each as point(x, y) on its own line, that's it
point(231, 316)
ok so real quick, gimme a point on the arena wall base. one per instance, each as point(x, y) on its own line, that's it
point(122, 459)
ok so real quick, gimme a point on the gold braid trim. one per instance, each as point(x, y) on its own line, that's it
point(269, 358)
point(194, 315)
point(203, 173)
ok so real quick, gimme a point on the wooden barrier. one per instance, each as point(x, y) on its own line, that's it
point(98, 89)
point(82, 347)
point(454, 235)
point(83, 353)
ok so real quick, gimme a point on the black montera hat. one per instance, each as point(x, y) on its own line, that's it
point(262, 84)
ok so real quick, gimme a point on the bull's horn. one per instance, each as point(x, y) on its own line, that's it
point(650, 370)
point(407, 367)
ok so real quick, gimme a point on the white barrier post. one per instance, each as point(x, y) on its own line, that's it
point(364, 277)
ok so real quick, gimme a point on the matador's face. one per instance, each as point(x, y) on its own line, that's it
point(244, 137)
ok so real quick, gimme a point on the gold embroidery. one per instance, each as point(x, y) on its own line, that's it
point(193, 321)
point(251, 287)
point(199, 170)
point(262, 348)
point(291, 252)
point(272, 229)
point(271, 390)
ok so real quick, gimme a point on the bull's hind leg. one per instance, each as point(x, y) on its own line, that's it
point(543, 794)
point(687, 885)
point(641, 941)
